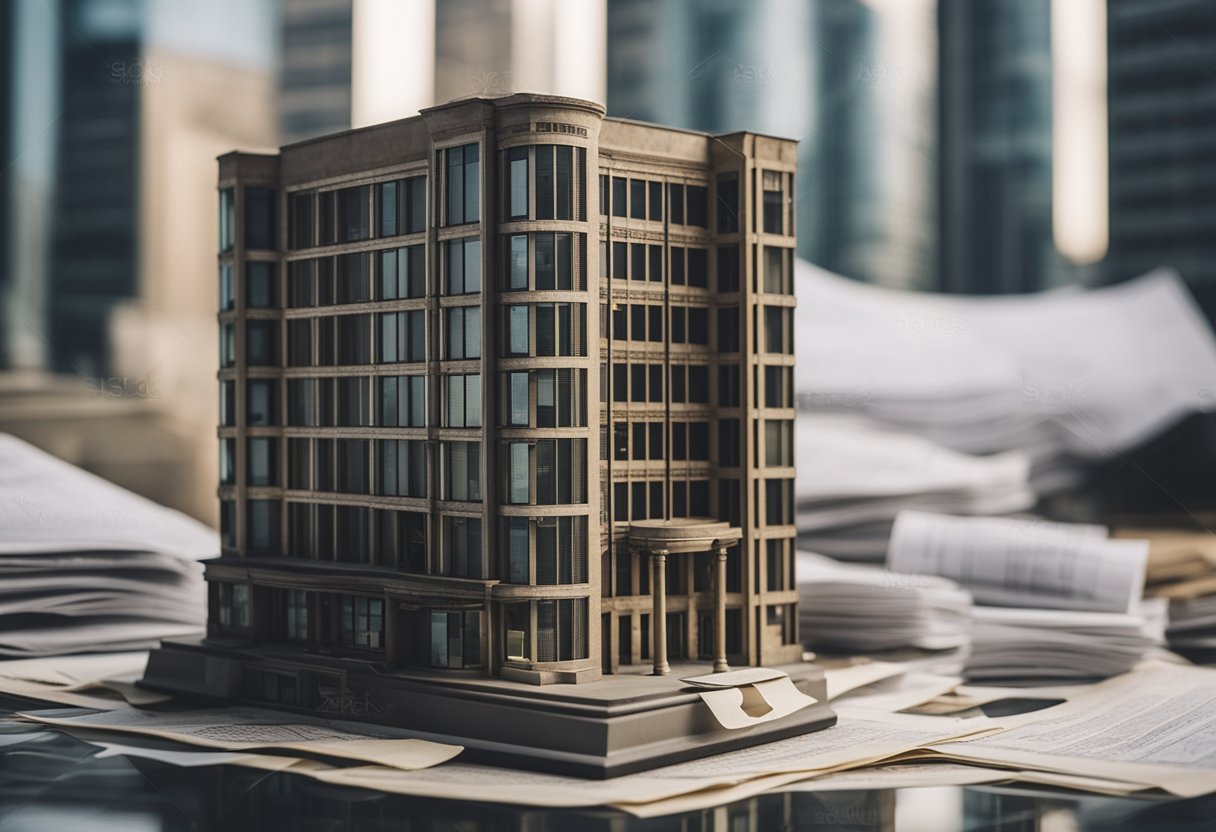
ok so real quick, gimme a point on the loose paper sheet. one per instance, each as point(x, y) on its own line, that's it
point(1154, 726)
point(856, 740)
point(841, 680)
point(247, 729)
point(743, 707)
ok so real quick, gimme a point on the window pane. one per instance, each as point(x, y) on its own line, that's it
point(472, 183)
point(565, 182)
point(517, 330)
point(518, 278)
point(259, 218)
point(544, 182)
point(518, 473)
point(544, 261)
point(517, 182)
point(519, 400)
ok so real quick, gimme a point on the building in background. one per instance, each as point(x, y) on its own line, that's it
point(1162, 105)
point(118, 110)
point(995, 182)
point(851, 79)
point(314, 67)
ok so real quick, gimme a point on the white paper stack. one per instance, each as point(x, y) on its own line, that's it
point(853, 478)
point(1065, 377)
point(88, 566)
point(1029, 645)
point(851, 607)
point(1061, 601)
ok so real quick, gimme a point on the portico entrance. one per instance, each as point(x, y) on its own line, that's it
point(680, 538)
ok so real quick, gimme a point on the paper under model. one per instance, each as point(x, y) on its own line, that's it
point(506, 433)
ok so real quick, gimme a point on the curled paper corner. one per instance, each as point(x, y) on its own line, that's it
point(751, 704)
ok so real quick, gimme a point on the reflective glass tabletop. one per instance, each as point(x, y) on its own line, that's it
point(50, 781)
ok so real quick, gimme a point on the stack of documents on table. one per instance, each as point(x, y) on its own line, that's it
point(853, 478)
point(86, 566)
point(1061, 601)
point(862, 608)
point(1182, 572)
point(1150, 729)
point(1067, 377)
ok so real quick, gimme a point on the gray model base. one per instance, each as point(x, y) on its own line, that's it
point(621, 724)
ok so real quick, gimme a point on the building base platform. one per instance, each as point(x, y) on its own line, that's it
point(620, 724)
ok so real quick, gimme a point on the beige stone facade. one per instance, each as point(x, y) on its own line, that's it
point(485, 374)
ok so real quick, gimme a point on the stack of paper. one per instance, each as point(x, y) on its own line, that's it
point(88, 566)
point(863, 608)
point(853, 478)
point(1063, 600)
point(1065, 377)
point(1182, 571)
point(1059, 645)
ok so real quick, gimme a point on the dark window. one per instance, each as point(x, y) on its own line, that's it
point(401, 206)
point(637, 199)
point(351, 466)
point(299, 342)
point(403, 467)
point(302, 208)
point(679, 334)
point(728, 443)
point(227, 403)
point(678, 376)
point(618, 196)
point(637, 258)
point(259, 218)
point(620, 385)
point(462, 266)
point(728, 269)
point(620, 260)
point(728, 329)
point(675, 204)
point(637, 327)
point(260, 280)
point(778, 502)
point(261, 343)
point(354, 277)
point(261, 402)
point(544, 182)
point(655, 315)
point(698, 268)
point(565, 181)
point(354, 401)
point(302, 283)
point(728, 385)
point(728, 205)
point(772, 213)
point(263, 520)
point(698, 206)
point(698, 325)
point(462, 326)
point(354, 214)
point(656, 262)
point(463, 184)
point(677, 265)
point(325, 217)
point(620, 322)
point(403, 401)
point(698, 384)
point(353, 339)
point(656, 201)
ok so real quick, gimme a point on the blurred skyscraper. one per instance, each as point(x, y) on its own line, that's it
point(852, 80)
point(347, 63)
point(315, 67)
point(994, 106)
point(1162, 104)
point(114, 114)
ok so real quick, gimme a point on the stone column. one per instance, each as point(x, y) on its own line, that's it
point(658, 615)
point(720, 665)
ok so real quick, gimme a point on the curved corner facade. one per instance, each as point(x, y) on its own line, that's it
point(459, 354)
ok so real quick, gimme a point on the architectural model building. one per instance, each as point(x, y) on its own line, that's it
point(506, 401)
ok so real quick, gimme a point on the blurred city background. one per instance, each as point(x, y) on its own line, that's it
point(957, 146)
